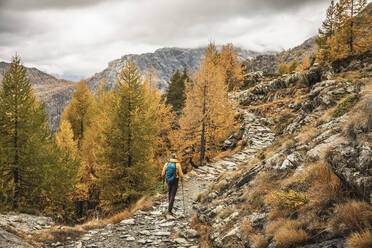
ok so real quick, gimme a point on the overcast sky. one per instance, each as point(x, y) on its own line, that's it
point(77, 38)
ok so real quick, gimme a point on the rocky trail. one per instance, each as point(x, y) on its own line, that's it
point(151, 228)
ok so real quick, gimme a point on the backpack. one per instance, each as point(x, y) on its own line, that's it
point(170, 172)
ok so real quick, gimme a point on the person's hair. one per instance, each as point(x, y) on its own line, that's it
point(173, 155)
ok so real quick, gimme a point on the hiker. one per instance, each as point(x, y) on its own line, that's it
point(172, 172)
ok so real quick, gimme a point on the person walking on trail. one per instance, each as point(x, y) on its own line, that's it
point(172, 172)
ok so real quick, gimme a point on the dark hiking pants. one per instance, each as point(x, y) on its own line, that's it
point(172, 190)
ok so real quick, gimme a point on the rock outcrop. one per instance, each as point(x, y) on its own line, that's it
point(316, 109)
point(268, 63)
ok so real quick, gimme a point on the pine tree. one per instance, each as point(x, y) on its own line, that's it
point(23, 130)
point(175, 93)
point(34, 173)
point(231, 66)
point(129, 141)
point(328, 25)
point(207, 116)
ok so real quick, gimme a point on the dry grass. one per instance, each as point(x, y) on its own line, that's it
point(275, 214)
point(144, 203)
point(272, 227)
point(246, 229)
point(92, 224)
point(258, 241)
point(220, 186)
point(307, 134)
point(325, 185)
point(351, 216)
point(228, 175)
point(203, 231)
point(286, 232)
point(205, 244)
point(282, 121)
point(226, 212)
point(201, 197)
point(288, 237)
point(362, 117)
point(54, 235)
point(360, 240)
point(264, 183)
point(119, 217)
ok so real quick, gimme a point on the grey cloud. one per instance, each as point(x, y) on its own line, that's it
point(47, 4)
point(79, 37)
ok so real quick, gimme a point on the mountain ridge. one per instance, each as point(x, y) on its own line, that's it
point(164, 60)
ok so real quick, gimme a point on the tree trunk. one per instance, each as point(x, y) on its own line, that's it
point(129, 132)
point(351, 38)
point(202, 140)
point(15, 168)
point(81, 134)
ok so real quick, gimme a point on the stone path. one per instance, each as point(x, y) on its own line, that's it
point(153, 229)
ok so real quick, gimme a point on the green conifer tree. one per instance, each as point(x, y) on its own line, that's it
point(328, 25)
point(129, 141)
point(175, 94)
point(33, 172)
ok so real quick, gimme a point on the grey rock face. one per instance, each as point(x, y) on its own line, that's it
point(8, 239)
point(26, 222)
point(22, 222)
point(261, 92)
point(165, 61)
point(353, 163)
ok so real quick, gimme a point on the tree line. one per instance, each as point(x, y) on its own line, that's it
point(345, 31)
point(111, 145)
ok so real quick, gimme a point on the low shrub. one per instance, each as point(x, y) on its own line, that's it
point(291, 200)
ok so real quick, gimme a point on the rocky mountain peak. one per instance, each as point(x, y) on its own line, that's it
point(164, 60)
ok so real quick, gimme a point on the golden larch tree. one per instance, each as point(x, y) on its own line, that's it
point(232, 68)
point(208, 115)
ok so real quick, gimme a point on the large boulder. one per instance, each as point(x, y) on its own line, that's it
point(352, 162)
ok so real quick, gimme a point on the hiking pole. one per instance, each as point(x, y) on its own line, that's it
point(183, 197)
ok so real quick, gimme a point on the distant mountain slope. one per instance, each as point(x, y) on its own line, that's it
point(56, 93)
point(165, 61)
point(269, 63)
